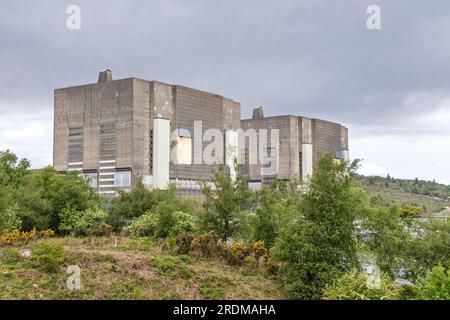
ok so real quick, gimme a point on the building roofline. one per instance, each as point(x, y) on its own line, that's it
point(292, 116)
point(140, 79)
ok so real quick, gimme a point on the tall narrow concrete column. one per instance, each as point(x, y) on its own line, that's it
point(161, 153)
point(231, 151)
point(307, 161)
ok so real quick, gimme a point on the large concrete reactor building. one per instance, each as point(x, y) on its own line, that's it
point(301, 143)
point(119, 132)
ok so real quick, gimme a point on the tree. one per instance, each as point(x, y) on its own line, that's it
point(318, 246)
point(277, 206)
point(12, 170)
point(353, 286)
point(429, 248)
point(388, 238)
point(435, 286)
point(130, 205)
point(45, 193)
point(225, 204)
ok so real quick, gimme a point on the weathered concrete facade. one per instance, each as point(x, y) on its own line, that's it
point(118, 132)
point(301, 143)
point(105, 129)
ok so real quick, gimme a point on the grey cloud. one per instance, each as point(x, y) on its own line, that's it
point(314, 58)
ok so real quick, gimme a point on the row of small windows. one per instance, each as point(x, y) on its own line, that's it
point(122, 178)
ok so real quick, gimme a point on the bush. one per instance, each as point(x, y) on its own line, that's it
point(411, 211)
point(171, 221)
point(183, 241)
point(88, 222)
point(9, 219)
point(163, 221)
point(48, 256)
point(237, 253)
point(353, 286)
point(11, 237)
point(143, 226)
point(260, 250)
point(131, 205)
point(435, 286)
point(205, 244)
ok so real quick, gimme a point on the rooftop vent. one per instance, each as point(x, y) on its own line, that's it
point(258, 113)
point(105, 76)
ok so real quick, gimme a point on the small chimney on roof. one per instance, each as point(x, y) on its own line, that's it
point(104, 76)
point(258, 113)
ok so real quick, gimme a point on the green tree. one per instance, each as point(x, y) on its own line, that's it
point(225, 204)
point(389, 239)
point(130, 205)
point(428, 247)
point(45, 193)
point(318, 246)
point(276, 208)
point(435, 286)
point(12, 170)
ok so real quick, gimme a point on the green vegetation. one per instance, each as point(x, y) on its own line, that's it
point(436, 285)
point(317, 246)
point(353, 286)
point(429, 196)
point(288, 240)
point(138, 268)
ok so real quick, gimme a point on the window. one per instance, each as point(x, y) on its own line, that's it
point(122, 179)
point(184, 147)
point(75, 150)
point(91, 177)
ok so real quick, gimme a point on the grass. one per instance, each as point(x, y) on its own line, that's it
point(128, 269)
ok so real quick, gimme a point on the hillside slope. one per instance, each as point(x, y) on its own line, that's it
point(134, 269)
point(432, 196)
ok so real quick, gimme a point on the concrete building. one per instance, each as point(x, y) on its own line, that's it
point(301, 143)
point(119, 132)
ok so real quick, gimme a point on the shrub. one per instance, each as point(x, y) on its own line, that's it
point(10, 255)
point(435, 286)
point(250, 261)
point(260, 250)
point(353, 286)
point(205, 244)
point(11, 237)
point(48, 256)
point(131, 205)
point(164, 221)
point(184, 240)
point(143, 226)
point(47, 233)
point(88, 222)
point(237, 253)
point(411, 211)
point(9, 219)
point(70, 220)
point(171, 221)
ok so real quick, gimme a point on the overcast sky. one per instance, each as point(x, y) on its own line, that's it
point(317, 58)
